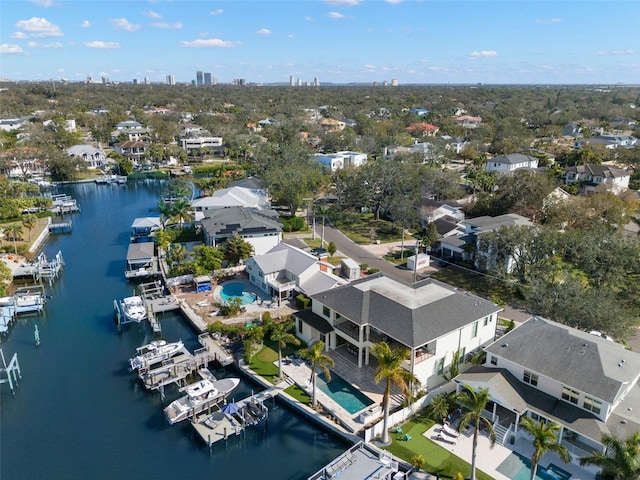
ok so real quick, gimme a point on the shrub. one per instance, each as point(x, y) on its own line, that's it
point(371, 271)
point(293, 224)
point(302, 302)
point(511, 326)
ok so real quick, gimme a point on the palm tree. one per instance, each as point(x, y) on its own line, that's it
point(29, 221)
point(318, 359)
point(281, 334)
point(14, 232)
point(391, 370)
point(621, 458)
point(473, 403)
point(182, 211)
point(439, 407)
point(165, 210)
point(545, 439)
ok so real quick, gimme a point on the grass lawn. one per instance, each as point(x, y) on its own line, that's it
point(296, 392)
point(438, 460)
point(365, 229)
point(25, 239)
point(263, 362)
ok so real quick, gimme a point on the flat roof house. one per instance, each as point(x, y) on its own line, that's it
point(546, 370)
point(430, 318)
point(338, 160)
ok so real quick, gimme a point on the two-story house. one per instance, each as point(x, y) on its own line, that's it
point(511, 162)
point(592, 177)
point(260, 228)
point(339, 160)
point(231, 197)
point(92, 156)
point(285, 270)
point(549, 371)
point(431, 319)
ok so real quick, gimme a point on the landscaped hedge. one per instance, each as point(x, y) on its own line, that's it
point(302, 302)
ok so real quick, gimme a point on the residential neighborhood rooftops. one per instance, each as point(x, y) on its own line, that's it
point(284, 256)
point(486, 223)
point(232, 221)
point(513, 159)
point(604, 171)
point(586, 362)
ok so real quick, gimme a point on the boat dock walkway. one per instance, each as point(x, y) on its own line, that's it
point(217, 426)
point(215, 346)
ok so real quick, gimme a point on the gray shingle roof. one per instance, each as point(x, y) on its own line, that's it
point(285, 257)
point(412, 314)
point(487, 223)
point(513, 159)
point(604, 171)
point(315, 321)
point(227, 222)
point(593, 365)
point(140, 251)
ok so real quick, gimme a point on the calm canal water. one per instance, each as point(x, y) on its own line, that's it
point(78, 413)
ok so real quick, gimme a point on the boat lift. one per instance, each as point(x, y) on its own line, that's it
point(12, 371)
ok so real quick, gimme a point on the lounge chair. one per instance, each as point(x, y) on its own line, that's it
point(446, 438)
point(399, 430)
point(406, 437)
point(452, 432)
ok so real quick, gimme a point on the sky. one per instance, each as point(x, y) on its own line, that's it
point(336, 41)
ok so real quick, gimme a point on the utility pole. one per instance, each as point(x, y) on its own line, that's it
point(415, 260)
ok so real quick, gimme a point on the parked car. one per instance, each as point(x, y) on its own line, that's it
point(318, 251)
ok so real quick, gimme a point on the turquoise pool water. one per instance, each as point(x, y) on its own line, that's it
point(348, 397)
point(517, 467)
point(236, 290)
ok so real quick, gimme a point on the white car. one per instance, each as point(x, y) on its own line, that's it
point(601, 335)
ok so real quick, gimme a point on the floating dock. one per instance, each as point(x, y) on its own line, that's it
point(64, 204)
point(41, 268)
point(60, 227)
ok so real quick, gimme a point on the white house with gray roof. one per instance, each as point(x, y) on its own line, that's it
point(431, 319)
point(546, 370)
point(511, 162)
point(286, 269)
point(260, 228)
point(92, 156)
point(231, 197)
point(592, 177)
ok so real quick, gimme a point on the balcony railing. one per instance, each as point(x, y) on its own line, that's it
point(422, 355)
point(282, 286)
point(350, 329)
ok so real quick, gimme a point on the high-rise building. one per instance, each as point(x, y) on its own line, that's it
point(316, 82)
point(299, 82)
point(105, 80)
point(171, 80)
point(135, 81)
point(292, 81)
point(207, 78)
point(199, 78)
point(215, 80)
point(147, 81)
point(394, 82)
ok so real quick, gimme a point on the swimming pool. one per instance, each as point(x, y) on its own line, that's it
point(345, 395)
point(517, 467)
point(236, 290)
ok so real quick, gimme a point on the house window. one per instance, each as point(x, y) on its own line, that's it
point(474, 330)
point(326, 311)
point(493, 360)
point(530, 378)
point(486, 321)
point(440, 366)
point(570, 395)
point(260, 274)
point(592, 405)
point(461, 359)
point(299, 325)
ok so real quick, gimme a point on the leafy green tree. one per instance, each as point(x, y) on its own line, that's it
point(63, 168)
point(282, 336)
point(236, 249)
point(473, 403)
point(332, 249)
point(431, 235)
point(29, 221)
point(621, 459)
point(391, 371)
point(319, 360)
point(208, 258)
point(545, 439)
point(177, 253)
point(439, 407)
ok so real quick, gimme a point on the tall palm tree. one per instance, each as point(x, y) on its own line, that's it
point(473, 403)
point(317, 358)
point(621, 458)
point(545, 439)
point(439, 407)
point(390, 370)
point(281, 334)
point(14, 232)
point(165, 210)
point(182, 211)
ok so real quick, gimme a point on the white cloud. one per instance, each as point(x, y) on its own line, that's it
point(9, 49)
point(85, 24)
point(309, 19)
point(102, 45)
point(394, 2)
point(369, 66)
point(484, 54)
point(40, 27)
point(123, 24)
point(45, 45)
point(216, 12)
point(347, 3)
point(336, 15)
point(43, 3)
point(622, 51)
point(152, 14)
point(168, 26)
point(60, 70)
point(18, 35)
point(264, 31)
point(548, 21)
point(210, 43)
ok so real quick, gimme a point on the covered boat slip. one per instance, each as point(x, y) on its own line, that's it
point(141, 261)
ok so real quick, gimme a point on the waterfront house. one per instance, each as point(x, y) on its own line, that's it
point(93, 157)
point(231, 197)
point(594, 177)
point(132, 149)
point(201, 140)
point(549, 371)
point(260, 228)
point(431, 319)
point(286, 270)
point(142, 229)
point(511, 162)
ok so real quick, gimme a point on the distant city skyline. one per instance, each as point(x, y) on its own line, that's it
point(336, 41)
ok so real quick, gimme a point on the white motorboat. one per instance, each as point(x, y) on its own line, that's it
point(153, 353)
point(200, 396)
point(28, 300)
point(133, 309)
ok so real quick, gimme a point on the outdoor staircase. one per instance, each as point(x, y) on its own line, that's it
point(501, 433)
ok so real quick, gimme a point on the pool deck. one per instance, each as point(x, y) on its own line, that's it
point(489, 458)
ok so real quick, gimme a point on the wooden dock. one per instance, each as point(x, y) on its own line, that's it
point(215, 347)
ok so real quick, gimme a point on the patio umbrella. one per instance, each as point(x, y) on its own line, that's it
point(230, 408)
